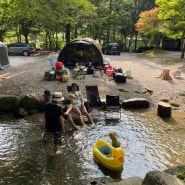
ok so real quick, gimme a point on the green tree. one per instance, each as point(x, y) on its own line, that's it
point(22, 17)
point(130, 14)
point(172, 14)
point(4, 18)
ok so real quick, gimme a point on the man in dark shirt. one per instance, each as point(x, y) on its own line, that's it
point(47, 99)
point(54, 122)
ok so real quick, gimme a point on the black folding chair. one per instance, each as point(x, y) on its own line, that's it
point(97, 67)
point(112, 104)
point(93, 98)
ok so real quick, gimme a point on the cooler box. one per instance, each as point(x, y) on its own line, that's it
point(110, 72)
point(106, 67)
point(120, 77)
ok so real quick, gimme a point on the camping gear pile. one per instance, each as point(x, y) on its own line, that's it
point(117, 74)
point(79, 72)
point(58, 72)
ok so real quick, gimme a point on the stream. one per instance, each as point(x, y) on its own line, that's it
point(149, 142)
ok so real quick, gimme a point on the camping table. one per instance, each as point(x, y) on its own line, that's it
point(79, 71)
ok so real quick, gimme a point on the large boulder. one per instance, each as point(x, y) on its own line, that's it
point(161, 178)
point(136, 103)
point(9, 102)
point(129, 181)
point(30, 101)
point(20, 113)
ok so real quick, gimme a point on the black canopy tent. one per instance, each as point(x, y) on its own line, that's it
point(82, 51)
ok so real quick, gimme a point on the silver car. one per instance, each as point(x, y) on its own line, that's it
point(20, 49)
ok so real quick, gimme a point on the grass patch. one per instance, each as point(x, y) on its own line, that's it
point(154, 52)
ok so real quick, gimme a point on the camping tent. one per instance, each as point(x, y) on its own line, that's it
point(4, 61)
point(82, 51)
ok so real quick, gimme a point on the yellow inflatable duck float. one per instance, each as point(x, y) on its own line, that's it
point(108, 156)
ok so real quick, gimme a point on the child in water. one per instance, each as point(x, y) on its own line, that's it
point(115, 141)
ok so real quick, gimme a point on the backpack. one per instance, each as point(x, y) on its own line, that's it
point(49, 76)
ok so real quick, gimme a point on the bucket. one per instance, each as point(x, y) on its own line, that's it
point(66, 71)
point(65, 76)
point(128, 73)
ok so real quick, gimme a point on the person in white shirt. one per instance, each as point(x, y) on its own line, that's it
point(77, 101)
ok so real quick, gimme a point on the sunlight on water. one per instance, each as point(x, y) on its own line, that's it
point(149, 142)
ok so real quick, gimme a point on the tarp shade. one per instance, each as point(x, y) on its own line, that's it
point(4, 61)
point(83, 51)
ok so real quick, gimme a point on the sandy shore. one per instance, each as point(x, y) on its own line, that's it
point(26, 76)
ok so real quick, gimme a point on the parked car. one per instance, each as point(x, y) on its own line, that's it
point(20, 48)
point(111, 48)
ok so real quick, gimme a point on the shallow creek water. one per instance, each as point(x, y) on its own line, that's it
point(149, 142)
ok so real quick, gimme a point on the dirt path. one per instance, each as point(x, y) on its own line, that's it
point(26, 76)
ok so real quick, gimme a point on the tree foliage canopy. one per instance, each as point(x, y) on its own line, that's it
point(172, 14)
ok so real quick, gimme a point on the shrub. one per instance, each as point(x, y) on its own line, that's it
point(145, 48)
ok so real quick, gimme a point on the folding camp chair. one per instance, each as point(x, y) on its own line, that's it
point(97, 67)
point(52, 62)
point(93, 98)
point(112, 104)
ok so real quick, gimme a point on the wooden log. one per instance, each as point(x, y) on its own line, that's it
point(164, 109)
point(165, 75)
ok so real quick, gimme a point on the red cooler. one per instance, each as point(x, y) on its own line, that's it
point(110, 72)
point(107, 67)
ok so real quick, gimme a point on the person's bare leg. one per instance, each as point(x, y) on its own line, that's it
point(79, 114)
point(69, 109)
point(72, 122)
point(55, 148)
point(88, 116)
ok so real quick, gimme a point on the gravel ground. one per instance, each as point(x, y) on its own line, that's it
point(25, 75)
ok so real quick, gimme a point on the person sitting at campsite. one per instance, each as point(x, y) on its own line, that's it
point(115, 141)
point(77, 100)
point(47, 99)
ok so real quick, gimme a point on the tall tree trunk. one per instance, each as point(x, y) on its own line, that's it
point(26, 39)
point(114, 33)
point(182, 45)
point(68, 26)
point(108, 35)
point(1, 36)
point(46, 40)
point(56, 42)
point(158, 40)
point(75, 32)
point(135, 44)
